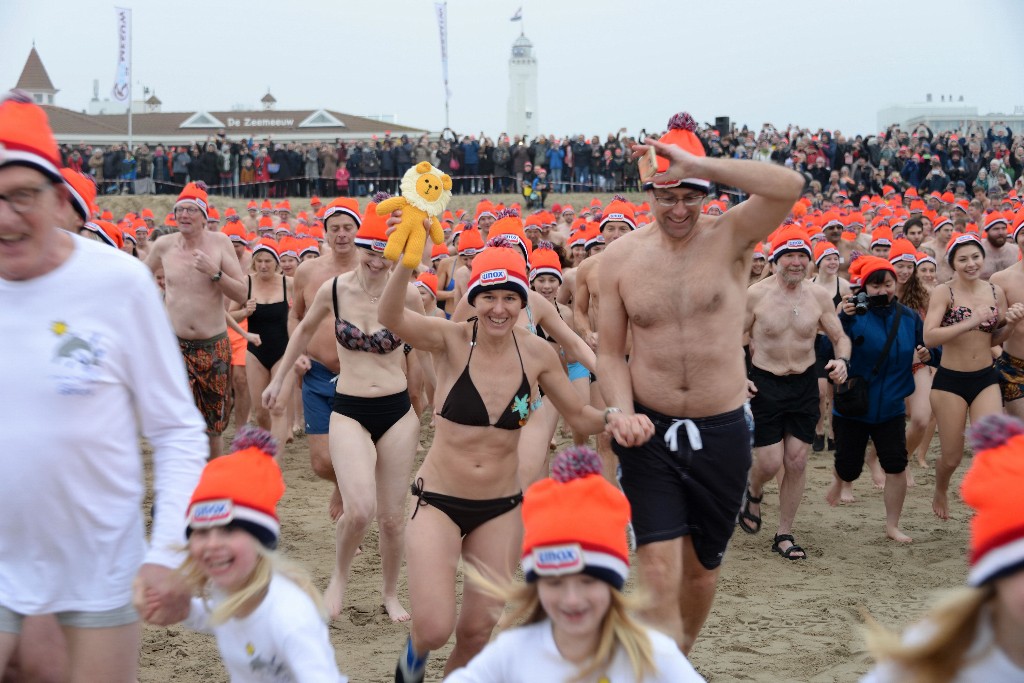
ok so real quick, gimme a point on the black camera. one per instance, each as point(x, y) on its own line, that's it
point(860, 303)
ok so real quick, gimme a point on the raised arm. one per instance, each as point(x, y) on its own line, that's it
point(420, 331)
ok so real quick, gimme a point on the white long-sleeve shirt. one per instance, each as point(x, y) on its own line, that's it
point(88, 360)
point(528, 654)
point(284, 640)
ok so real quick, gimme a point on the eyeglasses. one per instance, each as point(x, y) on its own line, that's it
point(669, 202)
point(189, 210)
point(23, 199)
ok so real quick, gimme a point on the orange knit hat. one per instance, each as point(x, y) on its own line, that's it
point(241, 489)
point(471, 242)
point(107, 232)
point(593, 236)
point(544, 261)
point(992, 487)
point(195, 193)
point(510, 226)
point(864, 266)
point(268, 245)
point(682, 132)
point(343, 205)
point(25, 136)
point(619, 210)
point(372, 234)
point(308, 245)
point(83, 191)
point(438, 252)
point(823, 249)
point(288, 246)
point(575, 522)
point(427, 281)
point(881, 237)
point(788, 240)
point(499, 266)
point(236, 231)
point(902, 250)
point(265, 223)
point(959, 239)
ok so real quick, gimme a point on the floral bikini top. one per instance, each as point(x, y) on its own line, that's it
point(354, 339)
point(955, 314)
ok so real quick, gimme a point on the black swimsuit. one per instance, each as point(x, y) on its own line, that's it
point(270, 322)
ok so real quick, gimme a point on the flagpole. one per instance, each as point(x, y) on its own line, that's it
point(131, 76)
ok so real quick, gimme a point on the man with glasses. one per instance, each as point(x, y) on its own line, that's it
point(76, 394)
point(679, 287)
point(201, 269)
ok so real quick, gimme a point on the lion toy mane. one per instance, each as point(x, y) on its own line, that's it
point(426, 192)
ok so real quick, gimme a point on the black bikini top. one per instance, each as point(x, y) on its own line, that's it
point(354, 339)
point(465, 406)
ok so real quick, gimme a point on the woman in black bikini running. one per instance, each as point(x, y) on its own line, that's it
point(964, 317)
point(373, 431)
point(468, 489)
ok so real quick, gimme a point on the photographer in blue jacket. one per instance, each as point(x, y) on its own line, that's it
point(871, 404)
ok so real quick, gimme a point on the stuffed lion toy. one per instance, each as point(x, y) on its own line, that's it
point(426, 192)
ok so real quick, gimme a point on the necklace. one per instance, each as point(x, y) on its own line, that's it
point(373, 299)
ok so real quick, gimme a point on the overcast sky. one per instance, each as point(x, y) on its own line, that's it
point(602, 64)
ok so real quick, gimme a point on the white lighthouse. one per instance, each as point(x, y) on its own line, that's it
point(522, 89)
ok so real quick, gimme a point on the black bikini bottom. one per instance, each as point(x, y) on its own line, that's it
point(376, 415)
point(467, 514)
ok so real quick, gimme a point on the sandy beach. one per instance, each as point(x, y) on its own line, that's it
point(773, 619)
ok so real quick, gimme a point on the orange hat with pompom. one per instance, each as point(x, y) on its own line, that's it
point(902, 250)
point(343, 205)
point(241, 489)
point(195, 194)
point(864, 266)
point(427, 281)
point(823, 249)
point(992, 488)
point(83, 191)
point(574, 522)
point(268, 245)
point(618, 210)
point(790, 239)
point(682, 132)
point(26, 138)
point(959, 239)
point(373, 231)
point(499, 266)
point(544, 261)
point(107, 232)
point(471, 242)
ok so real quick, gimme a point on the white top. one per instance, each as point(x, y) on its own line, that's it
point(284, 640)
point(986, 662)
point(528, 654)
point(88, 359)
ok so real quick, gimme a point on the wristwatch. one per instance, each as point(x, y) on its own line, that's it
point(216, 278)
point(609, 411)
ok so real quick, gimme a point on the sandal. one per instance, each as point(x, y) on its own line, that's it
point(747, 516)
point(788, 552)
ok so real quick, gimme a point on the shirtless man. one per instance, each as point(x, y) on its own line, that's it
point(757, 264)
point(617, 220)
point(319, 366)
point(686, 317)
point(1000, 253)
point(783, 315)
point(1011, 364)
point(200, 269)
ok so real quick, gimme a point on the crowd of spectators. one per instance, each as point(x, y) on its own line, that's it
point(967, 161)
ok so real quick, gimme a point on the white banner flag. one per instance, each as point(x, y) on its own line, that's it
point(442, 25)
point(123, 79)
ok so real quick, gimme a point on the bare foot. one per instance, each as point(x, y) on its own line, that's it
point(910, 478)
point(895, 534)
point(878, 478)
point(334, 597)
point(922, 463)
point(833, 495)
point(335, 507)
point(940, 505)
point(847, 495)
point(395, 610)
